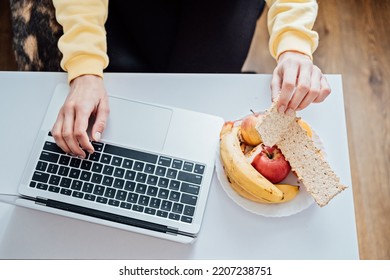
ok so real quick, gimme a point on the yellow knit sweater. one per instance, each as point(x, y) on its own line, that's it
point(83, 44)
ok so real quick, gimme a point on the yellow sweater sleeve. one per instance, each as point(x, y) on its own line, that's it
point(83, 43)
point(290, 24)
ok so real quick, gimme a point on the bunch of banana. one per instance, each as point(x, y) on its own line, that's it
point(243, 177)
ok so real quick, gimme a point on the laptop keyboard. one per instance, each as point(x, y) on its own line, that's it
point(121, 177)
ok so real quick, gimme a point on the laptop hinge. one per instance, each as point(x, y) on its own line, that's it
point(110, 217)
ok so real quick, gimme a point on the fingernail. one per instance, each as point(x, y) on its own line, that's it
point(290, 112)
point(281, 109)
point(98, 135)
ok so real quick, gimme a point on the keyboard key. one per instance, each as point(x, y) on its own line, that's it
point(164, 161)
point(138, 208)
point(97, 167)
point(190, 188)
point(129, 153)
point(32, 184)
point(89, 197)
point(54, 189)
point(108, 170)
point(116, 161)
point(119, 183)
point(149, 168)
point(52, 147)
point(76, 185)
point(186, 219)
point(42, 186)
point(155, 203)
point(141, 188)
point(189, 210)
point(162, 193)
point(52, 168)
point(177, 164)
point(97, 146)
point(113, 202)
point(174, 185)
point(132, 197)
point(64, 160)
point(125, 205)
point(77, 194)
point(141, 177)
point(138, 166)
point(188, 199)
point(66, 191)
point(130, 186)
point(177, 208)
point(121, 195)
point(98, 190)
point(130, 175)
point(65, 182)
point(85, 175)
point(143, 200)
point(74, 173)
point(86, 165)
point(110, 193)
point(152, 180)
point(54, 180)
point(95, 156)
point(102, 200)
point(119, 172)
point(75, 162)
point(174, 196)
point(160, 171)
point(87, 187)
point(63, 171)
point(174, 216)
point(41, 166)
point(172, 173)
point(150, 211)
point(188, 166)
point(162, 214)
point(166, 205)
point(199, 168)
point(163, 182)
point(40, 177)
point(107, 181)
point(189, 177)
point(127, 163)
point(50, 157)
point(96, 178)
point(152, 191)
point(105, 159)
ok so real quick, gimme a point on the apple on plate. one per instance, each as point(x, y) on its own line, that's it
point(249, 133)
point(270, 162)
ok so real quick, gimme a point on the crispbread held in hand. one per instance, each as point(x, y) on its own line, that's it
point(273, 125)
point(299, 149)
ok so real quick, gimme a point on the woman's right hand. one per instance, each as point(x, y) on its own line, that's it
point(87, 97)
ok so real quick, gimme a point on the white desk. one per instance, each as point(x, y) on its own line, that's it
point(228, 231)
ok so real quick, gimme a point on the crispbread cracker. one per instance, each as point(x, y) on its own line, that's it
point(299, 149)
point(309, 164)
point(273, 125)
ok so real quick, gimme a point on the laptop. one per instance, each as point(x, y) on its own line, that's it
point(150, 173)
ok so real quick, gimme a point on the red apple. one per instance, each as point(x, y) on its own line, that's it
point(249, 133)
point(270, 162)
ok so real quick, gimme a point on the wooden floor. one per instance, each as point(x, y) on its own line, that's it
point(355, 42)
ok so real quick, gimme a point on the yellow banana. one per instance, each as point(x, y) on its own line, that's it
point(239, 170)
point(290, 192)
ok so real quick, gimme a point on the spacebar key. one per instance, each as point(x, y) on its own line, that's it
point(129, 153)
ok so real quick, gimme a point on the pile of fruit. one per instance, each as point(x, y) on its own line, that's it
point(255, 171)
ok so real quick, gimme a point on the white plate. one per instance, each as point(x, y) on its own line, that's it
point(301, 202)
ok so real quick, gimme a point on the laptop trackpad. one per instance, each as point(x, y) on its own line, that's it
point(136, 124)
